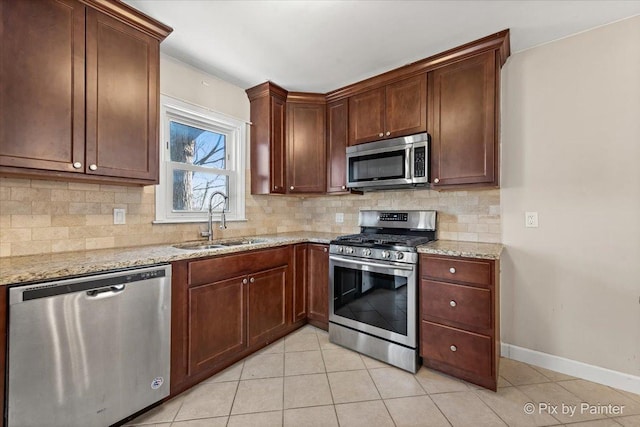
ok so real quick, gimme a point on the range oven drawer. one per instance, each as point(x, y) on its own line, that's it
point(456, 303)
point(475, 272)
point(461, 349)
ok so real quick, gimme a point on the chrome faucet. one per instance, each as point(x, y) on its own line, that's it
point(223, 221)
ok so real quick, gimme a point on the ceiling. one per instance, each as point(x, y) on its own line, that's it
point(319, 46)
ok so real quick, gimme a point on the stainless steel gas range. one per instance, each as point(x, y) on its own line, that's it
point(373, 285)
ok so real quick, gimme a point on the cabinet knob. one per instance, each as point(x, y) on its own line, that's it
point(344, 187)
point(252, 280)
point(275, 187)
point(388, 133)
point(291, 188)
point(380, 134)
point(324, 249)
point(452, 270)
point(77, 165)
point(452, 303)
point(453, 348)
point(436, 180)
point(244, 281)
point(93, 167)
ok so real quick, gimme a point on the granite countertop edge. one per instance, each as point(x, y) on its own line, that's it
point(457, 248)
point(36, 268)
point(46, 267)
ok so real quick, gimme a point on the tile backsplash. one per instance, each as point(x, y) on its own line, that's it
point(38, 217)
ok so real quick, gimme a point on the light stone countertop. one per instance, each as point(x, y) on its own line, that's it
point(33, 268)
point(462, 249)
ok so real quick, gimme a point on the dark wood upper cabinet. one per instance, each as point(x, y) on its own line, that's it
point(96, 117)
point(390, 111)
point(453, 95)
point(306, 153)
point(42, 119)
point(122, 99)
point(406, 107)
point(337, 141)
point(366, 116)
point(268, 149)
point(463, 122)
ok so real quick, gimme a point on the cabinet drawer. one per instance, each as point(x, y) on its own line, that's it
point(461, 349)
point(457, 270)
point(456, 303)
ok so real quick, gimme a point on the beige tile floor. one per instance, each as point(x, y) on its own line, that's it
point(304, 380)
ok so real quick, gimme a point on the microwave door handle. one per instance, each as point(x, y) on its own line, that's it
point(409, 167)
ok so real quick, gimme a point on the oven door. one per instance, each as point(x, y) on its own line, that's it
point(376, 297)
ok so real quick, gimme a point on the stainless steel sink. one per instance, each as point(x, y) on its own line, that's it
point(198, 246)
point(241, 242)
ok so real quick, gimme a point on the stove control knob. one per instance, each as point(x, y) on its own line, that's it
point(385, 254)
point(399, 255)
point(366, 252)
point(348, 250)
point(340, 249)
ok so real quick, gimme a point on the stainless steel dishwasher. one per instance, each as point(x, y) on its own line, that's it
point(88, 351)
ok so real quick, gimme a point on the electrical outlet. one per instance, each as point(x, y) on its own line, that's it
point(119, 216)
point(339, 218)
point(531, 219)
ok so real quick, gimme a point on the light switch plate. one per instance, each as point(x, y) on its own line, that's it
point(531, 219)
point(339, 218)
point(119, 216)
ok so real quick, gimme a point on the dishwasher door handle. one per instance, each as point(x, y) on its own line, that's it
point(106, 292)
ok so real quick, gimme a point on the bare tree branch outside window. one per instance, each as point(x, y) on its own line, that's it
point(198, 147)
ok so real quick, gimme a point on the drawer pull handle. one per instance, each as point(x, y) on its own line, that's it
point(453, 348)
point(452, 303)
point(452, 270)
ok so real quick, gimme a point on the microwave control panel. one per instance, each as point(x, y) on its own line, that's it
point(419, 163)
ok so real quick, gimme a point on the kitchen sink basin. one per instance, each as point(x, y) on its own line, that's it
point(198, 246)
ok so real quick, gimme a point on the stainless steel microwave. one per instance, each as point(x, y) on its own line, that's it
point(393, 163)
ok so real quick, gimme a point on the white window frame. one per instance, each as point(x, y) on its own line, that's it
point(172, 109)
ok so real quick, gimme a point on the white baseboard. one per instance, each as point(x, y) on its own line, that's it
point(574, 368)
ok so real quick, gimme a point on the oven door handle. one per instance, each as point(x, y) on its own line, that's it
point(358, 262)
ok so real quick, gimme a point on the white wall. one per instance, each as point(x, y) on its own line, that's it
point(571, 152)
point(184, 82)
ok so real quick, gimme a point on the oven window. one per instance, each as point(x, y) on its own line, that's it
point(377, 166)
point(376, 299)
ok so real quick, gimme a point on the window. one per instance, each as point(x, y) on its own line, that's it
point(202, 154)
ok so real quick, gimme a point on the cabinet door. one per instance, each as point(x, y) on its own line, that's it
point(300, 253)
point(216, 322)
point(406, 107)
point(306, 148)
point(366, 116)
point(42, 84)
point(462, 105)
point(337, 141)
point(318, 279)
point(267, 304)
point(277, 145)
point(122, 100)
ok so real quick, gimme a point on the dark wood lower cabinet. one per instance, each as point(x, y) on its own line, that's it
point(216, 322)
point(268, 303)
point(318, 285)
point(225, 308)
point(300, 285)
point(460, 317)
